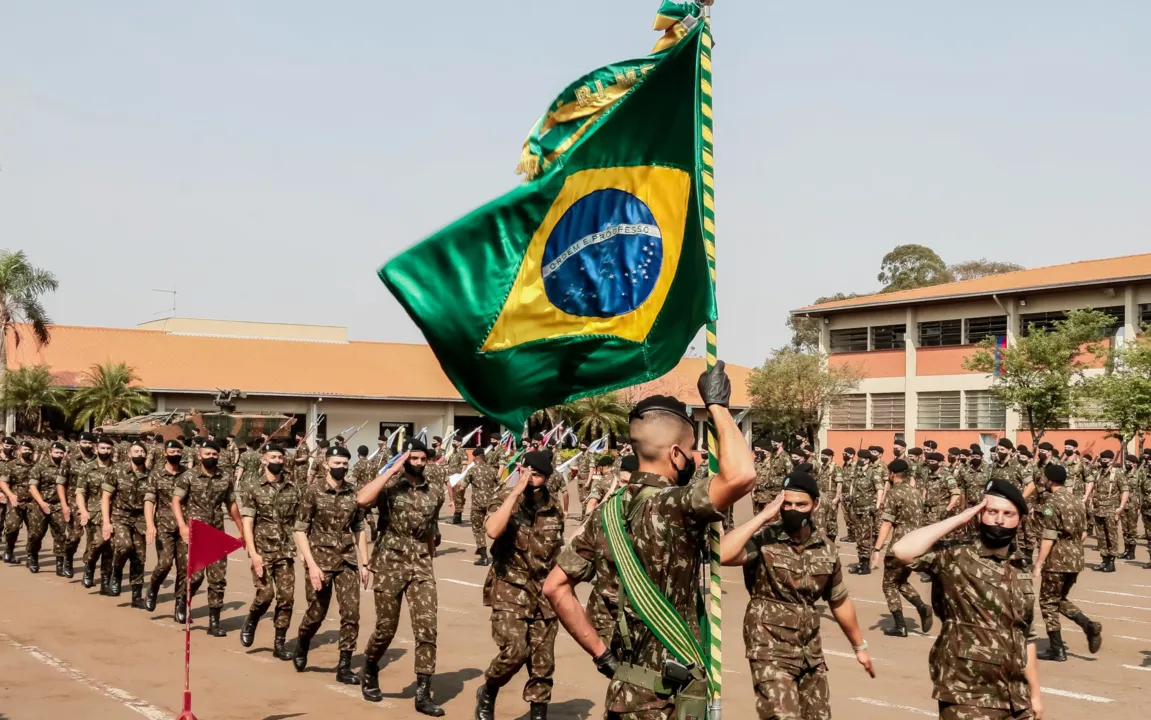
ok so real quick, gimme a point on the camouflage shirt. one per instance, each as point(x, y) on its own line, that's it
point(482, 477)
point(17, 473)
point(1064, 519)
point(865, 489)
point(90, 482)
point(1110, 484)
point(523, 556)
point(331, 519)
point(1143, 484)
point(1011, 471)
point(456, 462)
point(47, 475)
point(600, 485)
point(204, 495)
point(272, 506)
point(163, 483)
point(903, 508)
point(409, 523)
point(1076, 473)
point(130, 489)
point(785, 579)
point(830, 477)
point(986, 605)
point(362, 473)
point(769, 476)
point(250, 462)
point(975, 482)
point(938, 487)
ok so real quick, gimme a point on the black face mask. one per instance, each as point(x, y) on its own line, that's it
point(794, 520)
point(276, 468)
point(683, 476)
point(209, 463)
point(86, 451)
point(338, 474)
point(996, 537)
point(139, 461)
point(104, 455)
point(26, 456)
point(57, 460)
point(413, 470)
point(173, 460)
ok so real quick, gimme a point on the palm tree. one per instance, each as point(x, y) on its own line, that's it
point(108, 395)
point(28, 390)
point(21, 286)
point(599, 415)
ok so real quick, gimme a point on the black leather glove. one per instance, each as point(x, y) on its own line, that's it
point(715, 386)
point(606, 664)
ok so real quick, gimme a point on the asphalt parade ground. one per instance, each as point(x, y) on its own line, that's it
point(67, 652)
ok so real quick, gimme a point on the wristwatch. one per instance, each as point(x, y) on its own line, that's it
point(859, 648)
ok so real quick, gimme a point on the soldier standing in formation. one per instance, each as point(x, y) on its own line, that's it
point(902, 513)
point(22, 510)
point(831, 489)
point(602, 477)
point(864, 499)
point(89, 493)
point(126, 524)
point(163, 481)
point(789, 566)
point(526, 526)
point(483, 480)
point(268, 509)
point(205, 492)
point(1143, 485)
point(52, 487)
point(330, 537)
point(770, 474)
point(1107, 494)
point(402, 561)
point(847, 479)
point(1064, 522)
point(1130, 515)
point(941, 494)
point(983, 664)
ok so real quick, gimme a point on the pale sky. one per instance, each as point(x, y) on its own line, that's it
point(265, 158)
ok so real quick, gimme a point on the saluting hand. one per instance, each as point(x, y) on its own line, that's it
point(973, 511)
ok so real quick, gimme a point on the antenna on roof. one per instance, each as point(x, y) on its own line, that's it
point(172, 310)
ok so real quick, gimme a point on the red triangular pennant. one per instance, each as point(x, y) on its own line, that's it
point(206, 545)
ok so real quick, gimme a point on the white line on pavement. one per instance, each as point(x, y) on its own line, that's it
point(344, 690)
point(1136, 667)
point(1136, 639)
point(453, 542)
point(1077, 696)
point(257, 658)
point(908, 708)
point(460, 582)
point(1112, 592)
point(1125, 607)
point(124, 698)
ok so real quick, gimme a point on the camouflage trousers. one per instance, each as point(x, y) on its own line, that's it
point(1107, 531)
point(217, 574)
point(729, 520)
point(895, 583)
point(524, 641)
point(459, 497)
point(783, 693)
point(865, 531)
point(97, 549)
point(479, 517)
point(1090, 507)
point(391, 587)
point(1030, 530)
point(827, 519)
point(65, 533)
point(346, 582)
point(23, 514)
point(279, 584)
point(949, 711)
point(129, 545)
point(1053, 602)
point(1147, 527)
point(934, 513)
point(849, 521)
point(167, 546)
point(1130, 521)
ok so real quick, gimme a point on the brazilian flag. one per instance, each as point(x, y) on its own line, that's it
point(593, 275)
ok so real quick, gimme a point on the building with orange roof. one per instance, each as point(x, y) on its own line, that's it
point(313, 372)
point(910, 346)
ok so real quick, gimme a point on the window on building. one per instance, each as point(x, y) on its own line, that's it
point(1060, 423)
point(1045, 320)
point(939, 410)
point(387, 428)
point(887, 411)
point(984, 411)
point(849, 340)
point(940, 333)
point(888, 337)
point(1087, 417)
point(985, 327)
point(1119, 318)
point(849, 413)
point(1144, 316)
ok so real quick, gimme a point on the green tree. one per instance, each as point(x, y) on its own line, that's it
point(912, 266)
point(982, 267)
point(794, 389)
point(108, 395)
point(805, 330)
point(1121, 397)
point(595, 416)
point(21, 309)
point(27, 391)
point(1041, 374)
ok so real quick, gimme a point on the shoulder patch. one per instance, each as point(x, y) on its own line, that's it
point(1047, 511)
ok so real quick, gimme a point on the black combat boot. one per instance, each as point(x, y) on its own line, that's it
point(539, 711)
point(300, 658)
point(864, 568)
point(424, 703)
point(214, 628)
point(138, 597)
point(248, 632)
point(899, 629)
point(926, 619)
point(484, 560)
point(1110, 562)
point(1128, 553)
point(370, 681)
point(32, 562)
point(89, 574)
point(10, 552)
point(458, 519)
point(1102, 566)
point(69, 571)
point(278, 650)
point(59, 566)
point(344, 672)
point(1093, 631)
point(1056, 651)
point(486, 701)
point(150, 596)
point(181, 614)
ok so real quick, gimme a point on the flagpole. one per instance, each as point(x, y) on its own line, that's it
point(187, 713)
point(707, 161)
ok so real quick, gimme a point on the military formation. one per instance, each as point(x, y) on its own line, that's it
point(985, 532)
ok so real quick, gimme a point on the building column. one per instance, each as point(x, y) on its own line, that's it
point(449, 419)
point(161, 403)
point(1014, 419)
point(1130, 314)
point(313, 415)
point(824, 349)
point(910, 397)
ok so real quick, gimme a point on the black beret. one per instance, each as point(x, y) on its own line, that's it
point(964, 451)
point(937, 457)
point(1087, 457)
point(272, 447)
point(1132, 458)
point(27, 444)
point(9, 441)
point(605, 461)
point(800, 481)
point(1107, 455)
point(828, 452)
point(931, 444)
point(540, 461)
point(630, 463)
point(58, 446)
point(1005, 443)
point(84, 436)
point(173, 445)
point(666, 403)
point(1147, 451)
point(954, 451)
point(362, 450)
point(1055, 473)
point(1047, 446)
point(1072, 442)
point(875, 449)
point(478, 452)
point(1024, 451)
point(338, 451)
point(977, 451)
point(864, 454)
point(211, 445)
point(898, 466)
point(777, 438)
point(538, 437)
point(915, 451)
point(1004, 489)
point(415, 445)
point(975, 446)
point(901, 443)
point(804, 468)
point(849, 451)
point(437, 438)
point(104, 440)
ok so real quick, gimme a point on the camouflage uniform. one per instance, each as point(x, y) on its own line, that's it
point(46, 478)
point(769, 477)
point(1143, 484)
point(523, 623)
point(331, 519)
point(402, 563)
point(130, 489)
point(599, 487)
point(249, 464)
point(862, 498)
point(97, 548)
point(168, 541)
point(939, 487)
point(986, 604)
point(453, 466)
point(482, 478)
point(1077, 478)
point(785, 579)
point(827, 516)
point(1130, 516)
point(17, 473)
point(204, 494)
point(847, 480)
point(272, 505)
point(1064, 521)
point(1015, 473)
point(668, 531)
point(903, 508)
point(1110, 484)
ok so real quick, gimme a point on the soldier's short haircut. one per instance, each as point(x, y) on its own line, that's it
point(656, 431)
